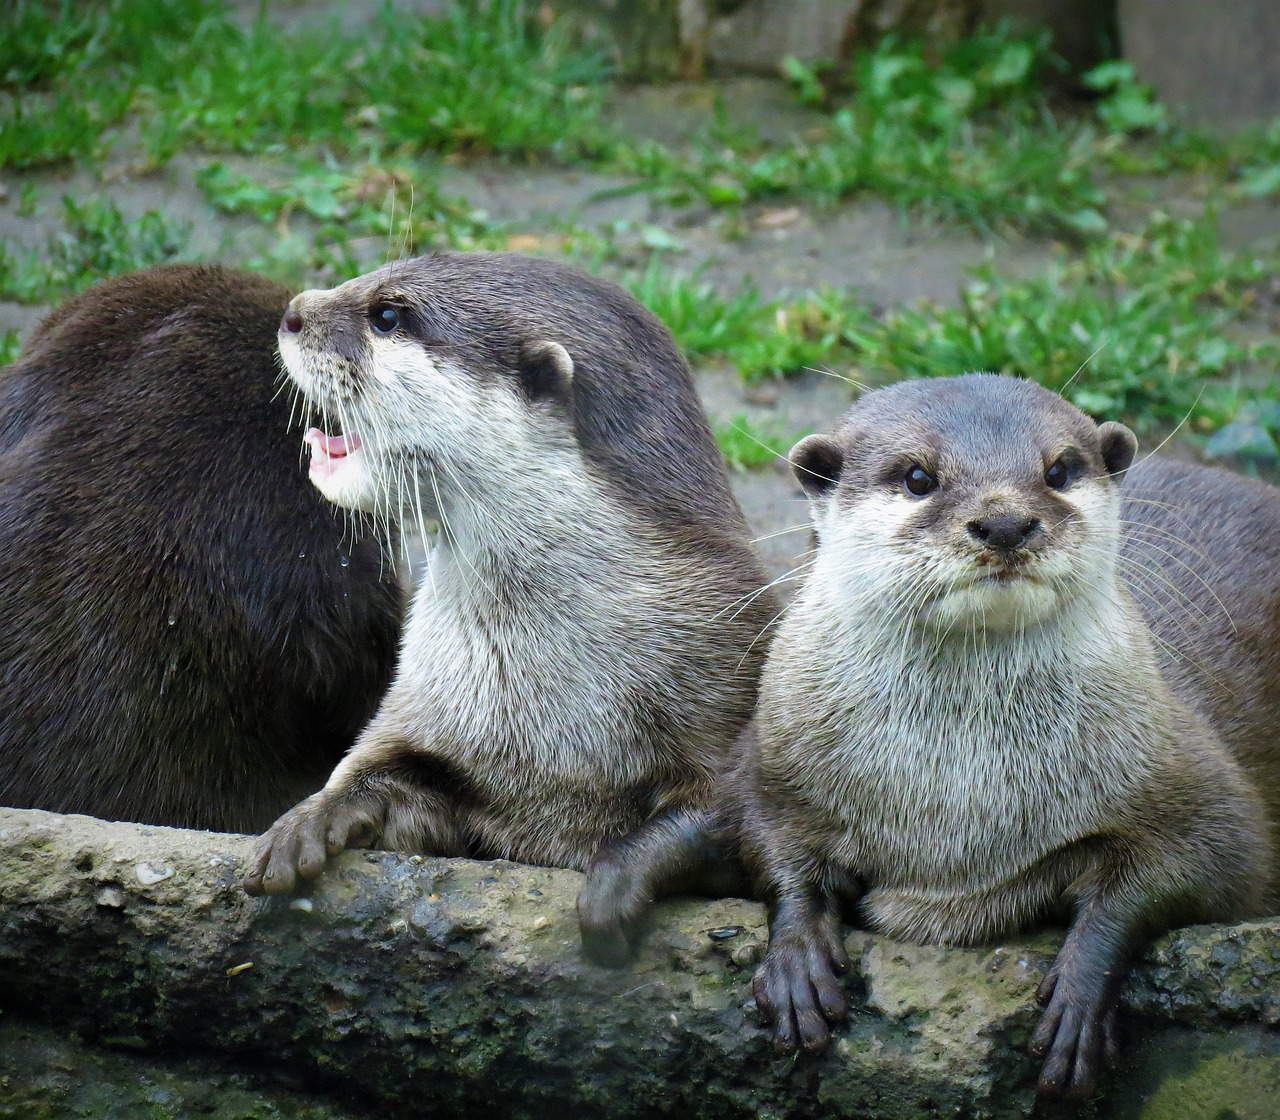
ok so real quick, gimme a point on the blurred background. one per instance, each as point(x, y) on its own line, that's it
point(815, 196)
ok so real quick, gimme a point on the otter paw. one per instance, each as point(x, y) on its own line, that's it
point(798, 989)
point(1077, 1036)
point(296, 847)
point(607, 910)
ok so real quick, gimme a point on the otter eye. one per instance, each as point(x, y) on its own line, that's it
point(384, 318)
point(1057, 476)
point(918, 482)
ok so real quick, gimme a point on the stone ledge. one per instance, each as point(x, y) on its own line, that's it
point(402, 977)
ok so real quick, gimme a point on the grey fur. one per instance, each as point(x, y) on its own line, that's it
point(582, 651)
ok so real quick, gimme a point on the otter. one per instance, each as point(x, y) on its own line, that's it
point(582, 650)
point(188, 634)
point(981, 712)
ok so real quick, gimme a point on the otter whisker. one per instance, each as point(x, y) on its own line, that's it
point(1177, 427)
point(782, 532)
point(461, 553)
point(744, 601)
point(861, 386)
point(763, 630)
point(1080, 369)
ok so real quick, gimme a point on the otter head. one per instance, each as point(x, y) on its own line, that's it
point(427, 375)
point(969, 503)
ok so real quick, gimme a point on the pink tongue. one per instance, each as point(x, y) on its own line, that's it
point(335, 447)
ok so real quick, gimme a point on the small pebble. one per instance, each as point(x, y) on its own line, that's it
point(303, 904)
point(112, 897)
point(148, 874)
point(724, 933)
point(541, 922)
point(235, 970)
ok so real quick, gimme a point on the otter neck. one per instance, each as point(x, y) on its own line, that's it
point(876, 662)
point(551, 521)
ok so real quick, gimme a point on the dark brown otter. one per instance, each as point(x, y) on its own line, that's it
point(188, 634)
point(966, 725)
point(582, 650)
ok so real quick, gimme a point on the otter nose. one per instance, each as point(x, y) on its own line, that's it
point(292, 321)
point(1005, 531)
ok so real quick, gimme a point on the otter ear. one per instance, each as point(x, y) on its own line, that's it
point(546, 370)
point(817, 462)
point(1118, 444)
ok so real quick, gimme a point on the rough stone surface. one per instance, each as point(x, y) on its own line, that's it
point(1215, 62)
point(686, 38)
point(46, 1075)
point(403, 979)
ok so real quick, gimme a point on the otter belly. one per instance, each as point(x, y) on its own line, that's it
point(962, 917)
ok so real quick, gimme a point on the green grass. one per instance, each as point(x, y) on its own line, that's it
point(970, 137)
point(968, 133)
point(96, 242)
point(481, 77)
point(746, 446)
point(1141, 327)
point(8, 347)
point(1158, 307)
point(348, 131)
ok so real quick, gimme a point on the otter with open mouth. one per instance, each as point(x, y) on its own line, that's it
point(968, 725)
point(582, 650)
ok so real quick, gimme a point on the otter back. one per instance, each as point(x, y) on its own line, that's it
point(188, 635)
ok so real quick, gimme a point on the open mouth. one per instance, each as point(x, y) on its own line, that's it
point(329, 454)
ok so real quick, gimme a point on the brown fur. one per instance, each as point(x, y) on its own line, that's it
point(180, 640)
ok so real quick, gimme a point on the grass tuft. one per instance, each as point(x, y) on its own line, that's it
point(1163, 309)
point(8, 346)
point(970, 137)
point(480, 77)
point(97, 242)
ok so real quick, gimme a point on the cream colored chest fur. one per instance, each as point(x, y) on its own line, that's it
point(952, 767)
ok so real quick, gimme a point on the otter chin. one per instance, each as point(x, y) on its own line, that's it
point(339, 469)
point(995, 601)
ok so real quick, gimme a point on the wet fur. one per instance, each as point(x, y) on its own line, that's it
point(148, 474)
point(579, 655)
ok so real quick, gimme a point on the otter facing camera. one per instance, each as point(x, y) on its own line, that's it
point(817, 462)
point(546, 369)
point(1118, 446)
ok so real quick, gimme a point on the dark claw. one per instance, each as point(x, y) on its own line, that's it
point(1076, 1037)
point(1110, 1038)
point(798, 991)
point(1044, 993)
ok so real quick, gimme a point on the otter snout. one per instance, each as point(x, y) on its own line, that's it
point(1004, 531)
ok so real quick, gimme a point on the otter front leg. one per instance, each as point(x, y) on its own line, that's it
point(674, 852)
point(1209, 870)
point(798, 987)
point(1076, 1035)
point(385, 793)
